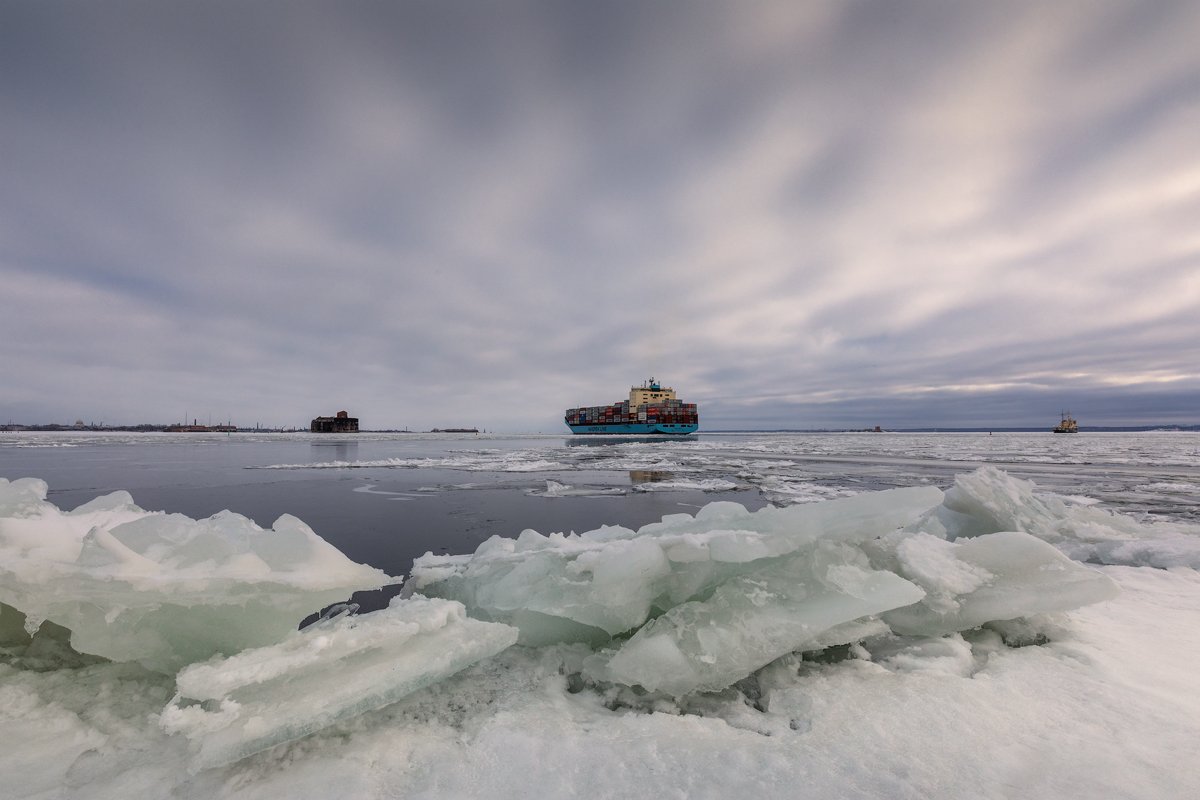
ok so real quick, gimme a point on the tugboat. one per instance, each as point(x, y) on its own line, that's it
point(650, 409)
point(1068, 424)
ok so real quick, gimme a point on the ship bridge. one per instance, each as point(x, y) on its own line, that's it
point(650, 393)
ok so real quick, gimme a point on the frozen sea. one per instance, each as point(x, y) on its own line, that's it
point(1102, 704)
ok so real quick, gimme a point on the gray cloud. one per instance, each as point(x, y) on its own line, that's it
point(800, 215)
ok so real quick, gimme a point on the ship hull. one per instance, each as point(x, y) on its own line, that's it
point(635, 428)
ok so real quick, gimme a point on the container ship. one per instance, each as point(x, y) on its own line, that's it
point(651, 408)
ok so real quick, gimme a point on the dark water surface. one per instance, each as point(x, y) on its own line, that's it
point(384, 516)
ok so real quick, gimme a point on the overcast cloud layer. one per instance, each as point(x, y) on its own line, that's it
point(479, 213)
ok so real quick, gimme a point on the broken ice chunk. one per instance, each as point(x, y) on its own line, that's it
point(1005, 575)
point(233, 707)
point(609, 581)
point(163, 589)
point(750, 621)
point(989, 501)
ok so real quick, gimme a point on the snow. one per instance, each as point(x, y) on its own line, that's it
point(907, 643)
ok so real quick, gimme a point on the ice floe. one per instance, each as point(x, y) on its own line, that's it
point(559, 489)
point(686, 484)
point(782, 490)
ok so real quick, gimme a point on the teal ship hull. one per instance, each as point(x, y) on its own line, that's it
point(636, 428)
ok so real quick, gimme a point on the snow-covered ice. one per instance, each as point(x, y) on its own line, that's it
point(903, 643)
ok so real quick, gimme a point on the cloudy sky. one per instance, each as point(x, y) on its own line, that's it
point(442, 213)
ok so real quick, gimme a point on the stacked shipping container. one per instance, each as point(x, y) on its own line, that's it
point(668, 412)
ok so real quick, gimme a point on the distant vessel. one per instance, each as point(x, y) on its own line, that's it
point(1068, 424)
point(651, 408)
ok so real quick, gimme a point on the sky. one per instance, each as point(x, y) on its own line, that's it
point(438, 214)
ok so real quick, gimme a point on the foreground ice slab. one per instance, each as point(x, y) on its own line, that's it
point(163, 589)
point(695, 604)
point(337, 668)
point(749, 621)
point(609, 581)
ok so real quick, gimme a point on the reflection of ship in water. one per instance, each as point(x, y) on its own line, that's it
point(616, 441)
point(342, 450)
point(637, 476)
